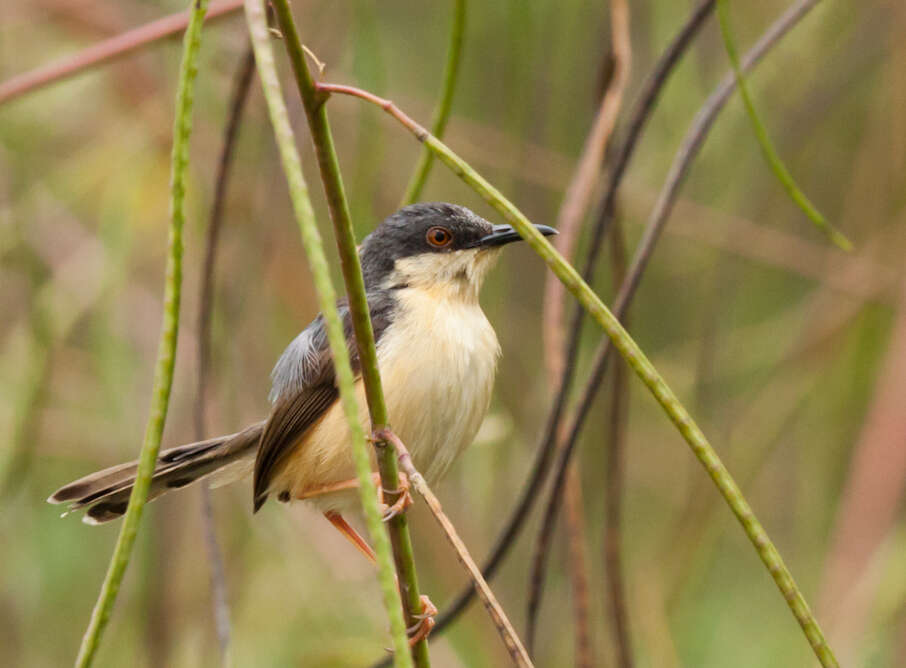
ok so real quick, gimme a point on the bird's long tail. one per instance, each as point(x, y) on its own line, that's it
point(105, 493)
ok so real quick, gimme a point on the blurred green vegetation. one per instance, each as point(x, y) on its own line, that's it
point(780, 345)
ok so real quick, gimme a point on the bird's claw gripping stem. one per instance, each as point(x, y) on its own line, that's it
point(403, 501)
point(418, 632)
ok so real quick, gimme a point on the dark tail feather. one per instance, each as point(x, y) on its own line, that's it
point(106, 493)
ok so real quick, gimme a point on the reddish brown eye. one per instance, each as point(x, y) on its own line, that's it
point(439, 237)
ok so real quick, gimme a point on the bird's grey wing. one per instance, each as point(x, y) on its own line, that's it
point(290, 418)
point(304, 387)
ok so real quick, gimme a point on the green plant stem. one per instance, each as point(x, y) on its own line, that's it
point(316, 112)
point(636, 359)
point(767, 147)
point(166, 352)
point(442, 111)
point(327, 299)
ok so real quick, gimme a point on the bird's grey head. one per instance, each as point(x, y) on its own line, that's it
point(434, 245)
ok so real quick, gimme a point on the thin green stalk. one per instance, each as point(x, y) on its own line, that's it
point(636, 359)
point(442, 111)
point(166, 351)
point(355, 288)
point(767, 147)
point(311, 239)
point(322, 139)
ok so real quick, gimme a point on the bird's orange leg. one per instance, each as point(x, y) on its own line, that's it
point(351, 534)
point(422, 628)
point(336, 487)
point(400, 505)
point(426, 622)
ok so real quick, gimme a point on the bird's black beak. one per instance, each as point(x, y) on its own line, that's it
point(504, 234)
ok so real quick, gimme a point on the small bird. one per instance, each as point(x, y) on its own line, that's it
point(423, 268)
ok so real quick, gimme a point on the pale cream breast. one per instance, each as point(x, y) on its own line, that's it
point(438, 360)
point(438, 367)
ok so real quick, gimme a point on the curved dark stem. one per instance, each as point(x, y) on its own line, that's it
point(584, 654)
point(641, 111)
point(640, 115)
point(616, 469)
point(241, 85)
point(613, 560)
point(690, 147)
point(545, 536)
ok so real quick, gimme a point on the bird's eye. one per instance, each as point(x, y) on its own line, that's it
point(439, 237)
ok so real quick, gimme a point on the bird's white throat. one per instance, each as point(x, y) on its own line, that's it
point(456, 275)
point(438, 361)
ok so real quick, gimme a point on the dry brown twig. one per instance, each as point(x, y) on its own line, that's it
point(109, 49)
point(574, 516)
point(498, 616)
point(642, 110)
point(656, 223)
point(576, 201)
point(616, 473)
point(219, 599)
point(582, 186)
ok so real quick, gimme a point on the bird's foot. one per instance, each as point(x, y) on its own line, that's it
point(419, 631)
point(403, 501)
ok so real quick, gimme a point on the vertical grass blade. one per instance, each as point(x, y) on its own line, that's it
point(334, 191)
point(166, 353)
point(314, 248)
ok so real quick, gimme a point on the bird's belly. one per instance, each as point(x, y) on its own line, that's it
point(437, 364)
point(438, 370)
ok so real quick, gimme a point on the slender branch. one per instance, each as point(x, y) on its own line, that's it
point(642, 110)
point(530, 491)
point(107, 51)
point(314, 248)
point(578, 569)
point(316, 112)
point(241, 86)
point(501, 622)
point(560, 491)
point(444, 104)
point(543, 453)
point(691, 144)
point(580, 190)
point(616, 473)
point(514, 524)
point(690, 147)
point(767, 147)
point(572, 211)
point(166, 353)
point(637, 360)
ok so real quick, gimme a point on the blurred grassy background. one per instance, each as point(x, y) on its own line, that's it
point(789, 352)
